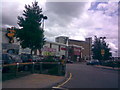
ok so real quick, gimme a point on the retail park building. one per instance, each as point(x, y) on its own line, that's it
point(73, 49)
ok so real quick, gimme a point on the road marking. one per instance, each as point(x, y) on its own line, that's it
point(65, 81)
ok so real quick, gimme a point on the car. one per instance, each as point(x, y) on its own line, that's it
point(7, 59)
point(93, 62)
point(26, 58)
point(36, 58)
point(16, 58)
point(69, 61)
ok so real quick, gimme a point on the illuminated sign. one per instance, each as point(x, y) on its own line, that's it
point(11, 34)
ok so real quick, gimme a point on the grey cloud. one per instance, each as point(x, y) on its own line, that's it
point(60, 13)
point(65, 8)
point(64, 12)
point(9, 13)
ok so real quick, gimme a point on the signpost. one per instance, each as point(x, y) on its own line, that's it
point(102, 52)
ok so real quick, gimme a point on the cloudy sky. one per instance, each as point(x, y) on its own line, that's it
point(77, 20)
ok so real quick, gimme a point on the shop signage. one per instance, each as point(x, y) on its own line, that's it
point(10, 34)
point(48, 49)
point(77, 51)
point(63, 48)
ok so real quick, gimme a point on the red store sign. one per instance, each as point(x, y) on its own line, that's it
point(49, 49)
point(63, 48)
point(77, 51)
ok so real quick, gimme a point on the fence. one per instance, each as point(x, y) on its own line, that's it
point(10, 71)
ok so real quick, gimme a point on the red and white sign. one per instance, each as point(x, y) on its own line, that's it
point(77, 51)
point(63, 48)
point(49, 49)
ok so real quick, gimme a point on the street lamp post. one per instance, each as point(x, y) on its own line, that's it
point(66, 39)
point(102, 48)
point(44, 18)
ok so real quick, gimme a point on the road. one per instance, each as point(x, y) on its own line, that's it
point(87, 76)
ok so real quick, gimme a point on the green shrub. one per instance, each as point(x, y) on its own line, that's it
point(53, 71)
point(49, 66)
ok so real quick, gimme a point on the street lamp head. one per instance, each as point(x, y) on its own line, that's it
point(104, 37)
point(44, 17)
point(101, 37)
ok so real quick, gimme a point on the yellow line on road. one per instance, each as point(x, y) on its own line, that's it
point(65, 81)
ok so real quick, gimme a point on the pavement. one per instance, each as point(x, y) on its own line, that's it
point(40, 80)
point(106, 67)
point(33, 81)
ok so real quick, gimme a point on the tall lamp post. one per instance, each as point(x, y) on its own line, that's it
point(43, 18)
point(66, 42)
point(102, 48)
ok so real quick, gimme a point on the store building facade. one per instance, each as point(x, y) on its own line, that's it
point(53, 49)
point(59, 48)
point(86, 45)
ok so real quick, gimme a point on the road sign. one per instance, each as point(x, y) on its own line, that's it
point(102, 51)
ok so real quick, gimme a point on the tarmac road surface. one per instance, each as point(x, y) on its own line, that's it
point(87, 76)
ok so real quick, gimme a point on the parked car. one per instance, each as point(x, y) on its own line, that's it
point(16, 58)
point(26, 58)
point(7, 59)
point(93, 62)
point(36, 58)
point(69, 61)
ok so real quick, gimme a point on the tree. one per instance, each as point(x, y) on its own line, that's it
point(100, 49)
point(31, 35)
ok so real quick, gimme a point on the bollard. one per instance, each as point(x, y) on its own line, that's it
point(64, 69)
point(33, 65)
point(16, 69)
point(59, 68)
point(40, 68)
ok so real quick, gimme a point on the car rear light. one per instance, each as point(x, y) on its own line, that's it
point(29, 59)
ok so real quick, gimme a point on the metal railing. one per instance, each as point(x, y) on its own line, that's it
point(10, 71)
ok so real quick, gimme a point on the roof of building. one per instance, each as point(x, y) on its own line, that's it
point(76, 46)
point(77, 40)
point(61, 36)
point(56, 43)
